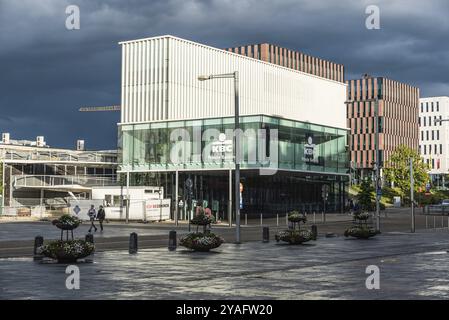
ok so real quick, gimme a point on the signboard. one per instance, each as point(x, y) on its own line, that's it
point(215, 205)
point(157, 210)
point(309, 150)
point(221, 149)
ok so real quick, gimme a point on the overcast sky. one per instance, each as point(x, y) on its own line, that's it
point(47, 72)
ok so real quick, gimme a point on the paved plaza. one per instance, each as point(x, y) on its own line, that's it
point(412, 266)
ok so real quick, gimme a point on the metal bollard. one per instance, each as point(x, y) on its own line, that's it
point(38, 241)
point(261, 219)
point(89, 238)
point(314, 231)
point(246, 219)
point(172, 240)
point(277, 219)
point(133, 243)
point(266, 234)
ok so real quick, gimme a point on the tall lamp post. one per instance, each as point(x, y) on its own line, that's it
point(235, 76)
point(377, 157)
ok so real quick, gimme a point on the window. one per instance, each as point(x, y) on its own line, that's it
point(441, 149)
point(438, 106)
point(425, 149)
point(433, 135)
point(427, 135)
point(431, 106)
point(422, 135)
point(433, 163)
point(424, 118)
point(435, 150)
point(430, 120)
point(438, 134)
point(440, 120)
point(422, 107)
point(427, 107)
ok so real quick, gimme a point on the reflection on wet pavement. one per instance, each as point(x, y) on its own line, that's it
point(411, 267)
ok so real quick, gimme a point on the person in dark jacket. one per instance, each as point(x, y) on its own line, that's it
point(92, 214)
point(101, 215)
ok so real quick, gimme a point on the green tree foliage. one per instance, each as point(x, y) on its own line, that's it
point(397, 170)
point(365, 197)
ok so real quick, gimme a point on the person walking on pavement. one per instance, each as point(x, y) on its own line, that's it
point(101, 215)
point(92, 214)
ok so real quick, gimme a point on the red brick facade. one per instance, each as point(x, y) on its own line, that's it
point(292, 59)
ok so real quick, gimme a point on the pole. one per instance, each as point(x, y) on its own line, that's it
point(412, 195)
point(127, 197)
point(377, 165)
point(176, 197)
point(230, 200)
point(237, 157)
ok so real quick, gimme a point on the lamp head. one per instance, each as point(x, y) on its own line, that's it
point(203, 78)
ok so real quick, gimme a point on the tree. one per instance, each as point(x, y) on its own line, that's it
point(365, 197)
point(397, 170)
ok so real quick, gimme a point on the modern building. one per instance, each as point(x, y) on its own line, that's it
point(36, 175)
point(434, 136)
point(398, 120)
point(177, 131)
point(292, 59)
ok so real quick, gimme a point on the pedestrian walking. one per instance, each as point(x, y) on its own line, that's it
point(101, 215)
point(92, 213)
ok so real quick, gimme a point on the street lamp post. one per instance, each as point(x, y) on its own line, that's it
point(235, 76)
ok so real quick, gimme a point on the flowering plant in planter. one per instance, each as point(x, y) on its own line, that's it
point(201, 241)
point(202, 219)
point(67, 222)
point(293, 236)
point(361, 216)
point(67, 251)
point(295, 216)
point(360, 232)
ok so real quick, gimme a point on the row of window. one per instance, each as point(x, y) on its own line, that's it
point(366, 128)
point(429, 148)
point(435, 134)
point(431, 163)
point(425, 105)
point(427, 121)
point(363, 88)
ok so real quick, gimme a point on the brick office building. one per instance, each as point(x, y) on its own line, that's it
point(292, 59)
point(398, 120)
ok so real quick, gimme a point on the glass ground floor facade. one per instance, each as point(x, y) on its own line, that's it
point(301, 159)
point(278, 193)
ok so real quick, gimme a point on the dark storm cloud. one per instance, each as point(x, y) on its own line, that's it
point(47, 72)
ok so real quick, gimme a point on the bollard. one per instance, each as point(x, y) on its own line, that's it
point(133, 243)
point(246, 219)
point(172, 240)
point(277, 219)
point(314, 217)
point(266, 234)
point(38, 241)
point(89, 238)
point(314, 231)
point(261, 219)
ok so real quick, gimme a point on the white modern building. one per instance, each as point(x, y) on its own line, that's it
point(161, 94)
point(434, 136)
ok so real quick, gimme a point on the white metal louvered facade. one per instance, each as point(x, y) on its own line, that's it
point(160, 82)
